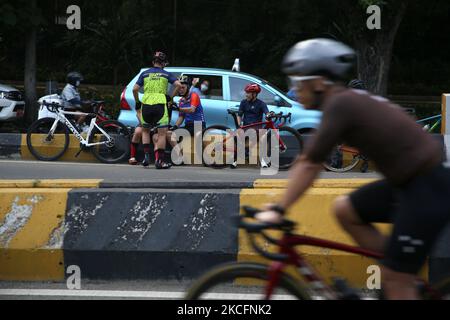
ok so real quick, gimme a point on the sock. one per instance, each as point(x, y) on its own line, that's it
point(134, 147)
point(147, 151)
point(159, 154)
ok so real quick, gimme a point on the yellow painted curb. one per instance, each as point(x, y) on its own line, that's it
point(31, 235)
point(51, 183)
point(69, 155)
point(320, 183)
point(314, 218)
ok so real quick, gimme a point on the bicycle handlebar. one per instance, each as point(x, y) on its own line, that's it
point(260, 228)
point(286, 118)
point(52, 107)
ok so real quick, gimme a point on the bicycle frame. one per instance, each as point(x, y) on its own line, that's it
point(269, 125)
point(306, 271)
point(85, 142)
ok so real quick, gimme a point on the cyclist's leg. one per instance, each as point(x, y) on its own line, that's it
point(356, 213)
point(135, 141)
point(148, 122)
point(163, 127)
point(423, 213)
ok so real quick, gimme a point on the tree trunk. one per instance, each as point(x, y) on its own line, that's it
point(374, 60)
point(375, 53)
point(30, 73)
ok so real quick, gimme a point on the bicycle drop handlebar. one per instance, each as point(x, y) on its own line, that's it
point(52, 107)
point(253, 229)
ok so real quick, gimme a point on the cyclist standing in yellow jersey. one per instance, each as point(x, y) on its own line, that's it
point(415, 194)
point(153, 108)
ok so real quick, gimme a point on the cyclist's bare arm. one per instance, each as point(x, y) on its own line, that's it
point(139, 115)
point(177, 87)
point(188, 110)
point(136, 89)
point(239, 120)
point(180, 120)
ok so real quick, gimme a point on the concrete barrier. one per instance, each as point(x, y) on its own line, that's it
point(149, 234)
point(118, 233)
point(113, 233)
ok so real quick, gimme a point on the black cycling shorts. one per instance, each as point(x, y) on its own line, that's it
point(155, 116)
point(420, 210)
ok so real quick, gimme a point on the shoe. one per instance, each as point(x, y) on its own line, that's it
point(162, 165)
point(264, 164)
point(145, 163)
point(133, 161)
point(234, 165)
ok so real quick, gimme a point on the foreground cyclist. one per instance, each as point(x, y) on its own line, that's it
point(415, 194)
point(155, 114)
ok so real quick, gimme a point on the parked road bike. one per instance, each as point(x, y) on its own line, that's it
point(271, 281)
point(290, 143)
point(108, 140)
point(345, 158)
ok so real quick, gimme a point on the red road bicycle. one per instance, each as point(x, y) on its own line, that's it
point(225, 140)
point(275, 282)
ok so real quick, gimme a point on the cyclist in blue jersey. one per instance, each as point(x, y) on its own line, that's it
point(155, 113)
point(190, 106)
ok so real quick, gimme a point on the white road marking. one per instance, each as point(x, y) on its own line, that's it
point(138, 294)
point(129, 294)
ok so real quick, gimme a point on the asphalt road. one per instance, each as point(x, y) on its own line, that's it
point(14, 169)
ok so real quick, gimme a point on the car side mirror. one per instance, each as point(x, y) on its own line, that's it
point(278, 101)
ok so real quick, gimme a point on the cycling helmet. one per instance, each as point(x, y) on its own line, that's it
point(185, 80)
point(319, 57)
point(252, 88)
point(160, 57)
point(74, 78)
point(356, 84)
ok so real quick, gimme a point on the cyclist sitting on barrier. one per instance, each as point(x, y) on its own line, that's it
point(155, 114)
point(415, 192)
point(251, 110)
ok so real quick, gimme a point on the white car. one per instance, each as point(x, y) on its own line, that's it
point(12, 106)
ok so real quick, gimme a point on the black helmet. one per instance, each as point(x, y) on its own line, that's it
point(319, 57)
point(356, 84)
point(74, 78)
point(160, 57)
point(185, 80)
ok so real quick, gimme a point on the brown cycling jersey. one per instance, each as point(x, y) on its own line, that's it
point(379, 129)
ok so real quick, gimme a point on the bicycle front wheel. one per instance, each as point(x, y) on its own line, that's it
point(289, 145)
point(112, 147)
point(242, 281)
point(45, 145)
point(219, 145)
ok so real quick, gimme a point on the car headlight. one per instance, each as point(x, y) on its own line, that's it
point(2, 95)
